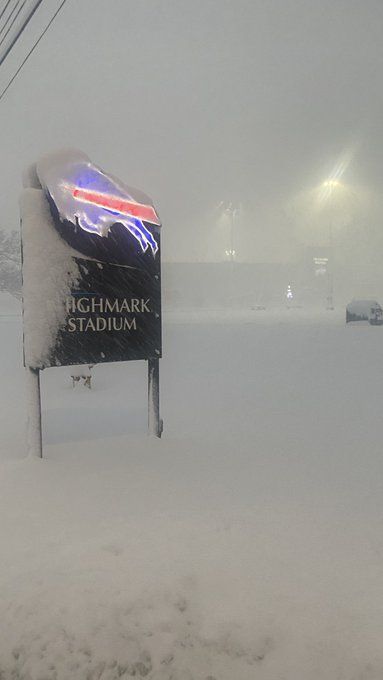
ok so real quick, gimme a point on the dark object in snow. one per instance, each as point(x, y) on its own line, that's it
point(83, 373)
point(365, 310)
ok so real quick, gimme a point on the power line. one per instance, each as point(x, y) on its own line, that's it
point(10, 16)
point(7, 17)
point(32, 49)
point(14, 19)
point(21, 29)
point(4, 8)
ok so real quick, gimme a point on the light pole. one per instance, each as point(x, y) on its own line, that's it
point(230, 210)
point(322, 215)
point(328, 187)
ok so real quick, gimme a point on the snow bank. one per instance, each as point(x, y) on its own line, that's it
point(49, 273)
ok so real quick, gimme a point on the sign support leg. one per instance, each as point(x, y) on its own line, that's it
point(34, 434)
point(155, 424)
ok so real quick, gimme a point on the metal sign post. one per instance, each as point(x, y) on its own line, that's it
point(155, 424)
point(34, 433)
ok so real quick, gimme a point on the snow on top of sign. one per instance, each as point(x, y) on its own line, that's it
point(49, 273)
point(86, 195)
point(30, 179)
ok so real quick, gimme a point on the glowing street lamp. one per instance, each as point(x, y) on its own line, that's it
point(232, 211)
point(229, 213)
point(327, 189)
point(317, 211)
point(331, 183)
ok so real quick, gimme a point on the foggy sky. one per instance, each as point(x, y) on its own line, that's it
point(201, 101)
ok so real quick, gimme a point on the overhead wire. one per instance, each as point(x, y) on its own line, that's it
point(27, 19)
point(13, 21)
point(4, 8)
point(10, 16)
point(32, 48)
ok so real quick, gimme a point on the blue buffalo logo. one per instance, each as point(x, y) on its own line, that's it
point(87, 197)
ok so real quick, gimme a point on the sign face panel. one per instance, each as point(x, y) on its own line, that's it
point(114, 314)
point(112, 234)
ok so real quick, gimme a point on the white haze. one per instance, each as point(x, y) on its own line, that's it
point(209, 101)
point(247, 541)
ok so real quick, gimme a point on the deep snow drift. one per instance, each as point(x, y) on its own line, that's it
point(247, 543)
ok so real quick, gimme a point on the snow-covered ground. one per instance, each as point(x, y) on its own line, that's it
point(9, 305)
point(246, 544)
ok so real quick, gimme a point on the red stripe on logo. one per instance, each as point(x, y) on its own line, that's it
point(144, 212)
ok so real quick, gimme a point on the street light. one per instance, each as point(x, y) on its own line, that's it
point(231, 210)
point(328, 187)
point(320, 214)
point(331, 183)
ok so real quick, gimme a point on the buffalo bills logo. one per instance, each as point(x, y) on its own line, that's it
point(85, 197)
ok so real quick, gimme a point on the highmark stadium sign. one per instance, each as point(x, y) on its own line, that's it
point(92, 252)
point(110, 234)
point(113, 313)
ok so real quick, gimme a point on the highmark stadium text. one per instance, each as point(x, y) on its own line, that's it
point(94, 305)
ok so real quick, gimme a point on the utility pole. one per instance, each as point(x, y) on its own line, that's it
point(231, 211)
point(330, 273)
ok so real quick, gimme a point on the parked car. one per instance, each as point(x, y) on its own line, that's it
point(365, 310)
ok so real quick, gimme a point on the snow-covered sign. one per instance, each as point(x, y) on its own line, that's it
point(91, 266)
